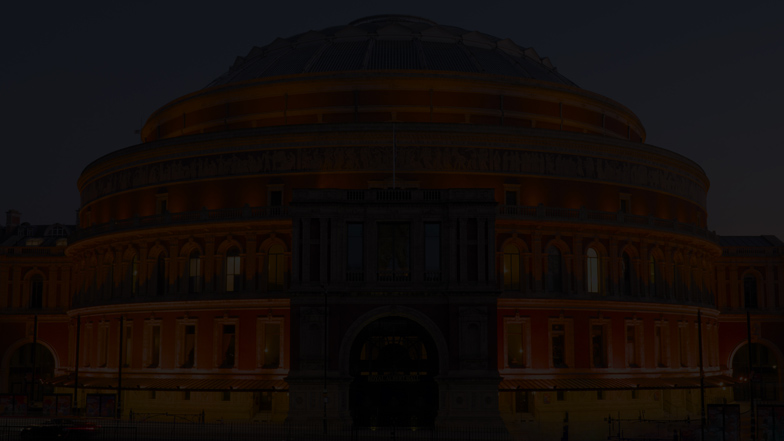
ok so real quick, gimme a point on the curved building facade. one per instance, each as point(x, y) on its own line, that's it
point(415, 223)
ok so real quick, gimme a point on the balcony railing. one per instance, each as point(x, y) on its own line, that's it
point(32, 251)
point(185, 217)
point(582, 215)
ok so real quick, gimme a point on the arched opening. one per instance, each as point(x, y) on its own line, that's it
point(160, 275)
point(626, 274)
point(592, 271)
point(764, 375)
point(276, 267)
point(233, 270)
point(511, 268)
point(194, 272)
point(554, 276)
point(393, 362)
point(30, 366)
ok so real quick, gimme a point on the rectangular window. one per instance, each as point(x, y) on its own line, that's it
point(633, 343)
point(511, 198)
point(265, 401)
point(660, 345)
point(517, 342)
point(233, 271)
point(186, 395)
point(599, 394)
point(87, 343)
point(315, 250)
point(560, 395)
point(271, 346)
point(355, 255)
point(128, 342)
point(226, 396)
point(154, 346)
point(188, 346)
point(227, 348)
point(625, 203)
point(103, 344)
point(432, 252)
point(683, 344)
point(393, 252)
point(161, 203)
point(598, 347)
point(558, 345)
point(276, 198)
point(194, 273)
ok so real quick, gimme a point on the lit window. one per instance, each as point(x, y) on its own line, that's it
point(592, 270)
point(276, 268)
point(518, 342)
point(194, 272)
point(269, 343)
point(134, 275)
point(233, 264)
point(511, 268)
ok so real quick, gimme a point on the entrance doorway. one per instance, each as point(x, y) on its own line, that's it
point(394, 363)
point(765, 375)
point(22, 379)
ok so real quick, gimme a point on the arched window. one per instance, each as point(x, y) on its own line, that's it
point(108, 283)
point(276, 268)
point(592, 270)
point(134, 276)
point(554, 276)
point(233, 273)
point(194, 272)
point(750, 291)
point(626, 274)
point(511, 267)
point(37, 292)
point(160, 275)
point(652, 275)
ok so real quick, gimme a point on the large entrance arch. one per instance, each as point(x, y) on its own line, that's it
point(29, 366)
point(393, 364)
point(764, 376)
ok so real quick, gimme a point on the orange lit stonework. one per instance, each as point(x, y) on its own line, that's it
point(529, 256)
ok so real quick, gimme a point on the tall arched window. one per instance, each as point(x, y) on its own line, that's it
point(626, 274)
point(592, 270)
point(194, 272)
point(276, 268)
point(233, 272)
point(134, 276)
point(554, 276)
point(160, 275)
point(652, 275)
point(37, 292)
point(750, 291)
point(511, 267)
point(108, 283)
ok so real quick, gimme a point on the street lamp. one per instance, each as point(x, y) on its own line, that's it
point(326, 316)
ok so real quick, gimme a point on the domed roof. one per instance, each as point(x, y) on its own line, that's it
point(392, 42)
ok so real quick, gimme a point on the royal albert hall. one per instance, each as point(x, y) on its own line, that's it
point(413, 223)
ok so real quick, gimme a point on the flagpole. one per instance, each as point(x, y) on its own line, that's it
point(394, 155)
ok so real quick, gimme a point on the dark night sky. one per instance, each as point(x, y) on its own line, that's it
point(78, 78)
